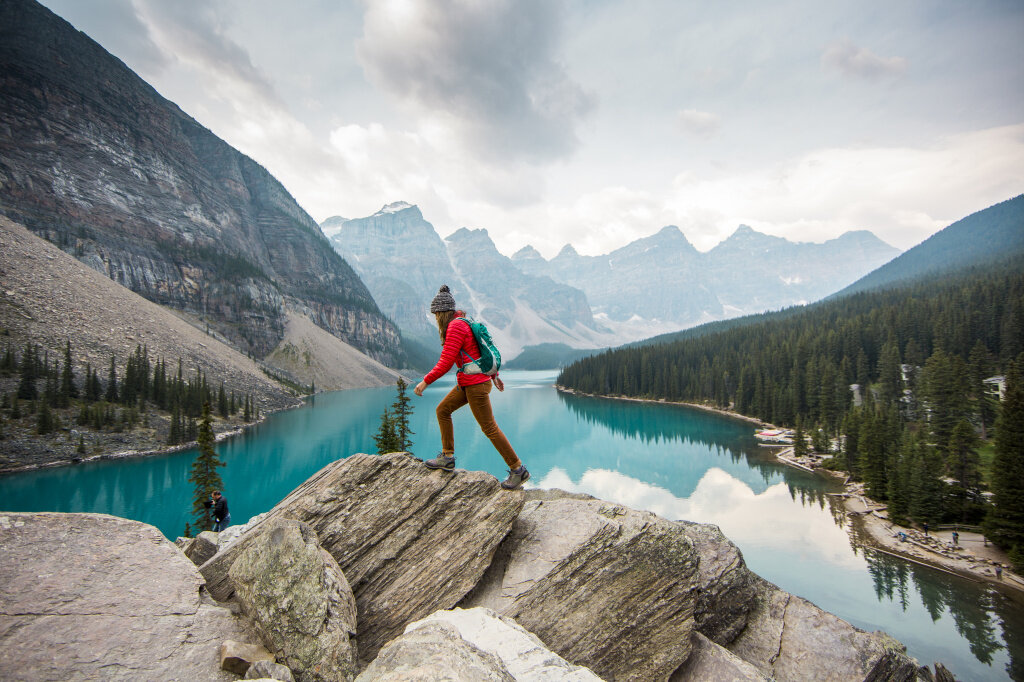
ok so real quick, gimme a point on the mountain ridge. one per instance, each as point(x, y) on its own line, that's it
point(98, 162)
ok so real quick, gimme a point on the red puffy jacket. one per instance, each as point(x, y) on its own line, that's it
point(458, 341)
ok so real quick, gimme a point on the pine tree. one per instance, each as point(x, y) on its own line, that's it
point(1005, 523)
point(81, 445)
point(247, 410)
point(45, 420)
point(222, 402)
point(204, 475)
point(401, 409)
point(27, 385)
point(68, 390)
point(386, 438)
point(799, 440)
point(111, 396)
point(963, 465)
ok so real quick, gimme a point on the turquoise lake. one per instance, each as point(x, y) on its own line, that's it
point(678, 462)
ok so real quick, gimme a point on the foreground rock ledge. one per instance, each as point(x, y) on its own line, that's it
point(409, 540)
point(90, 596)
point(602, 585)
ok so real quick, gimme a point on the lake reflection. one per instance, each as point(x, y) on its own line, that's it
point(679, 463)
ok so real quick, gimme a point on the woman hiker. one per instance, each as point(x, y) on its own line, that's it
point(459, 348)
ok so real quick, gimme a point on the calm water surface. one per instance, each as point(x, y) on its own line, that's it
point(676, 462)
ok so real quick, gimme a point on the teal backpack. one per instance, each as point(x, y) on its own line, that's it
point(490, 358)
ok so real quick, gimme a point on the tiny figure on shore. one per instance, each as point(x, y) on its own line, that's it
point(999, 571)
point(221, 515)
point(472, 388)
point(926, 529)
point(956, 538)
point(903, 536)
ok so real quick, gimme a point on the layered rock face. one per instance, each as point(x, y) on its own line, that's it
point(90, 596)
point(96, 161)
point(409, 540)
point(604, 586)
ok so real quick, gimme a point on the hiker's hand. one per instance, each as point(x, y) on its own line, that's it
point(419, 388)
point(498, 383)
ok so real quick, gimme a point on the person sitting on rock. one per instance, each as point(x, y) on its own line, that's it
point(471, 389)
point(221, 515)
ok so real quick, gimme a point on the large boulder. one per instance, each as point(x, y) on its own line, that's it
point(789, 638)
point(409, 539)
point(522, 652)
point(602, 585)
point(434, 651)
point(709, 661)
point(725, 586)
point(90, 596)
point(299, 601)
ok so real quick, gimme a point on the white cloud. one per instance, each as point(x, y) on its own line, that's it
point(747, 518)
point(487, 72)
point(700, 123)
point(821, 194)
point(859, 62)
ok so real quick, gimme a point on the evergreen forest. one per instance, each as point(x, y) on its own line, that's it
point(50, 397)
point(891, 384)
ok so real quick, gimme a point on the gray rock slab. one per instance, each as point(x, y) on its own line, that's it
point(90, 596)
point(790, 638)
point(522, 652)
point(434, 651)
point(726, 587)
point(265, 670)
point(202, 547)
point(410, 540)
point(602, 585)
point(299, 601)
point(709, 661)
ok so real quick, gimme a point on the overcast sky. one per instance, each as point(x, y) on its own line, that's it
point(596, 122)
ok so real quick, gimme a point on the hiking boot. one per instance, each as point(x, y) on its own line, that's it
point(442, 461)
point(516, 477)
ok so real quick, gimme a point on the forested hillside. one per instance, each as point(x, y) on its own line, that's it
point(891, 382)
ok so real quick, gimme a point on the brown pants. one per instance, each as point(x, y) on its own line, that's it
point(480, 404)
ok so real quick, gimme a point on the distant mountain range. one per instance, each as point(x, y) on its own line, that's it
point(93, 159)
point(652, 285)
point(404, 261)
point(664, 278)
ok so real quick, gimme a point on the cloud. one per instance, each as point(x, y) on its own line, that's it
point(858, 62)
point(194, 34)
point(700, 123)
point(903, 194)
point(487, 72)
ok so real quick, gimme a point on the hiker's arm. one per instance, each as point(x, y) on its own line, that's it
point(457, 331)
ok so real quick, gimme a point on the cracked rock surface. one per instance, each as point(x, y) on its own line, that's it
point(90, 596)
point(789, 638)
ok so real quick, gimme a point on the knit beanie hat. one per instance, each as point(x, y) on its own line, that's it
point(443, 301)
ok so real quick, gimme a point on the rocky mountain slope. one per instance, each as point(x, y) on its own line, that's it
point(378, 568)
point(663, 277)
point(404, 261)
point(980, 239)
point(96, 161)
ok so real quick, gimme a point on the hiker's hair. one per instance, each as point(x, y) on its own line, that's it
point(444, 318)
